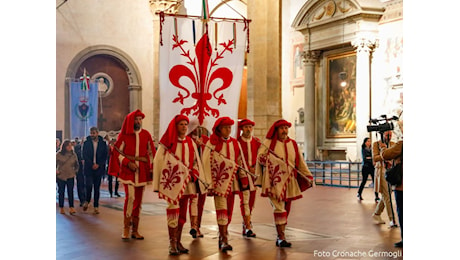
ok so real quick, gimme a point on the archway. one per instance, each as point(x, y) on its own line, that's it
point(120, 74)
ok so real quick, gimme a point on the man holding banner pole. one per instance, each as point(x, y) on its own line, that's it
point(249, 146)
point(222, 160)
point(283, 173)
point(178, 176)
point(131, 161)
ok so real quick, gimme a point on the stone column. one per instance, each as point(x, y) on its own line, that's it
point(309, 61)
point(364, 48)
point(156, 6)
point(135, 98)
point(264, 64)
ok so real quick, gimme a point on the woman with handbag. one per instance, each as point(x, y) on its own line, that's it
point(66, 170)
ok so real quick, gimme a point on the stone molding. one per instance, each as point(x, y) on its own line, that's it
point(167, 6)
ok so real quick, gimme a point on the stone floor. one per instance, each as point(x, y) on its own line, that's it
point(328, 223)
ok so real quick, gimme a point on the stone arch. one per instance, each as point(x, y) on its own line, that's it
point(131, 69)
point(329, 23)
point(125, 61)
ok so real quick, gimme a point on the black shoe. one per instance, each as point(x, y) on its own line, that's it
point(224, 247)
point(118, 195)
point(282, 243)
point(359, 196)
point(377, 200)
point(193, 232)
point(249, 233)
point(399, 244)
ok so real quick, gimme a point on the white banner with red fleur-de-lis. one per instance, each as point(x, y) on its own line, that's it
point(201, 68)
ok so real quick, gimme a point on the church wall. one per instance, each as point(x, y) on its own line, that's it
point(387, 66)
point(125, 25)
point(386, 76)
point(292, 81)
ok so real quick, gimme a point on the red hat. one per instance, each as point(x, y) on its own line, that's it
point(222, 121)
point(128, 122)
point(275, 125)
point(170, 135)
point(219, 122)
point(244, 122)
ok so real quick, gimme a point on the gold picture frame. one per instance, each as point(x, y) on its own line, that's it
point(341, 94)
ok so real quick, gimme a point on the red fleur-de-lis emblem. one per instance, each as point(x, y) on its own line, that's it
point(202, 71)
point(275, 174)
point(220, 171)
point(170, 176)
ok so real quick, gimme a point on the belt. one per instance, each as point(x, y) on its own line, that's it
point(133, 158)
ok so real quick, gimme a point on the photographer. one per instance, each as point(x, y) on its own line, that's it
point(396, 152)
point(384, 126)
point(381, 184)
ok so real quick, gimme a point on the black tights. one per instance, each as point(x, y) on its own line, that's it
point(366, 172)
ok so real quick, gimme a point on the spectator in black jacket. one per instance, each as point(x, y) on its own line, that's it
point(95, 158)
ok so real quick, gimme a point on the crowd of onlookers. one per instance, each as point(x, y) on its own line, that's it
point(70, 168)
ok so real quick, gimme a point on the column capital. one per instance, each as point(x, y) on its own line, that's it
point(310, 57)
point(365, 44)
point(167, 6)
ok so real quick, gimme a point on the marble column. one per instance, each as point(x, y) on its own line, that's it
point(309, 60)
point(135, 97)
point(364, 48)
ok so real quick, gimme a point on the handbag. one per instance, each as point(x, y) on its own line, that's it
point(394, 175)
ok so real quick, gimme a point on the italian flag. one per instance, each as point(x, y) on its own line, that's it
point(205, 14)
point(84, 81)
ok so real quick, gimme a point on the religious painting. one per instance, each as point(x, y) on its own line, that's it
point(341, 93)
point(297, 77)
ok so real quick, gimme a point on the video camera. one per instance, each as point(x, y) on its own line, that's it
point(381, 124)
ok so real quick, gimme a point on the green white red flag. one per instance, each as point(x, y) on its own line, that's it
point(85, 78)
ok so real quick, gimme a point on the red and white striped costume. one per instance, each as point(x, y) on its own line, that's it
point(249, 147)
point(221, 158)
point(176, 161)
point(283, 162)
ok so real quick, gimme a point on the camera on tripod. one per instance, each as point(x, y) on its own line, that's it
point(381, 124)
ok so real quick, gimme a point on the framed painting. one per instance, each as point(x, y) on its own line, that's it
point(297, 77)
point(341, 93)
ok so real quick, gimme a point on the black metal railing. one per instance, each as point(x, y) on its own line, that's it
point(336, 173)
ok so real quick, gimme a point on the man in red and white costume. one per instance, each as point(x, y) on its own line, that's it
point(130, 161)
point(177, 170)
point(200, 136)
point(249, 145)
point(285, 174)
point(222, 158)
